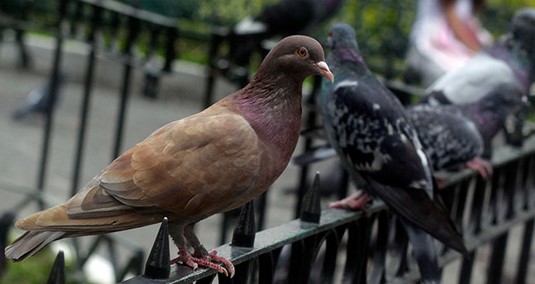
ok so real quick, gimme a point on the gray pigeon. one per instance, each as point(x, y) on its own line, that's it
point(38, 100)
point(283, 18)
point(379, 147)
point(449, 137)
point(453, 135)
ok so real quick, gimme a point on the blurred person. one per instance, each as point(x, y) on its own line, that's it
point(445, 34)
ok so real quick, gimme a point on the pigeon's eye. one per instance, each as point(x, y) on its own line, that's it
point(302, 52)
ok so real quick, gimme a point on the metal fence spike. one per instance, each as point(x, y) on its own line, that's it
point(311, 203)
point(245, 231)
point(6, 221)
point(157, 266)
point(57, 274)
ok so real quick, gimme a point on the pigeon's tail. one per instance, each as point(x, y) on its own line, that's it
point(425, 253)
point(416, 207)
point(30, 243)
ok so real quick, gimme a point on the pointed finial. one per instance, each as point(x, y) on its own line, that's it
point(245, 231)
point(311, 203)
point(57, 274)
point(158, 266)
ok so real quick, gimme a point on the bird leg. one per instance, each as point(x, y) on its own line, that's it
point(184, 235)
point(205, 258)
point(483, 167)
point(355, 201)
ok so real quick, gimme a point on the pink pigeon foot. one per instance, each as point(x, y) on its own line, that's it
point(355, 201)
point(207, 261)
point(441, 182)
point(483, 167)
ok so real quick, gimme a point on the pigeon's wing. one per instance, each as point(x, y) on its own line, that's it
point(200, 162)
point(448, 137)
point(187, 169)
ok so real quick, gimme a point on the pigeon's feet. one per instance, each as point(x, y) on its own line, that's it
point(483, 167)
point(354, 202)
point(207, 261)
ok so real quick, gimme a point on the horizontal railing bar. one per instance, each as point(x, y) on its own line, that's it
point(128, 10)
point(273, 238)
point(489, 233)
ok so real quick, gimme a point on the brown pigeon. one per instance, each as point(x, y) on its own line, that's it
point(207, 163)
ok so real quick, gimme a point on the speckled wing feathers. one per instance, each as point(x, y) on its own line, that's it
point(449, 138)
point(369, 133)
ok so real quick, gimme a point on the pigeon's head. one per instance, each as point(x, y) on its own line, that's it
point(298, 57)
point(342, 36)
point(523, 28)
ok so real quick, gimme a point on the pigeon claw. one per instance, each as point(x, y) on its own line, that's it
point(483, 167)
point(224, 261)
point(207, 261)
point(354, 202)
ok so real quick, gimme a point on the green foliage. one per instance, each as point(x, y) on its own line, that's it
point(231, 11)
point(34, 270)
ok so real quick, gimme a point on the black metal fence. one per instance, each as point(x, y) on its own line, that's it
point(337, 246)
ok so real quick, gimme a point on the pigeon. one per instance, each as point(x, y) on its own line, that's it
point(38, 100)
point(379, 147)
point(448, 137)
point(292, 16)
point(511, 60)
point(280, 19)
point(456, 134)
point(207, 163)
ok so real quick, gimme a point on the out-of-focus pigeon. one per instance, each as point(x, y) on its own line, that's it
point(510, 60)
point(450, 139)
point(379, 147)
point(207, 163)
point(281, 19)
point(452, 135)
point(38, 100)
point(292, 16)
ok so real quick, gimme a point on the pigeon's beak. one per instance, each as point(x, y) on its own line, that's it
point(325, 72)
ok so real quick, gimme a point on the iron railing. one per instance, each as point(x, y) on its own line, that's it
point(337, 246)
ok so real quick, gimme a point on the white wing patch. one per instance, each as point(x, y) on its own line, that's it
point(379, 159)
point(346, 83)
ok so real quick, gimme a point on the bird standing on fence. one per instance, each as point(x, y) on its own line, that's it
point(207, 163)
point(452, 135)
point(449, 138)
point(379, 147)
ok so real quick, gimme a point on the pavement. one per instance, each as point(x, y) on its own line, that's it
point(180, 95)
